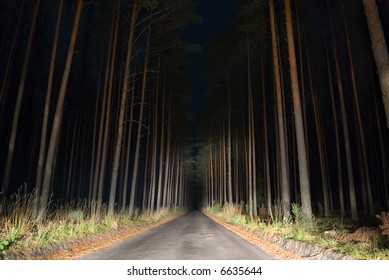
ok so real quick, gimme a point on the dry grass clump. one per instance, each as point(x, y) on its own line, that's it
point(384, 218)
point(21, 229)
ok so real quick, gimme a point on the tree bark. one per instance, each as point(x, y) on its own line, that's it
point(299, 126)
point(229, 149)
point(121, 123)
point(42, 149)
point(360, 125)
point(18, 105)
point(138, 138)
point(350, 170)
point(284, 182)
point(10, 60)
point(54, 138)
point(380, 50)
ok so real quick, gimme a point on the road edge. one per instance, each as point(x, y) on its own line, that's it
point(250, 236)
point(282, 247)
point(74, 249)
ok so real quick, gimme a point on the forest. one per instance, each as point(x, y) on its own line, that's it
point(298, 108)
point(99, 106)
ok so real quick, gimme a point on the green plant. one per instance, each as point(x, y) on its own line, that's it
point(238, 220)
point(301, 221)
point(10, 239)
point(76, 216)
point(217, 207)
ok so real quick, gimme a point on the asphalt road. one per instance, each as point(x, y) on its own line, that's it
point(192, 236)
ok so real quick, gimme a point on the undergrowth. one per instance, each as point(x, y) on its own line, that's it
point(20, 230)
point(335, 233)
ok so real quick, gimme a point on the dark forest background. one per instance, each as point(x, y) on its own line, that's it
point(123, 129)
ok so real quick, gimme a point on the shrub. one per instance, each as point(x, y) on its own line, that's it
point(384, 218)
point(76, 216)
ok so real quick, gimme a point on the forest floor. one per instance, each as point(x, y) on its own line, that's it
point(78, 243)
point(70, 235)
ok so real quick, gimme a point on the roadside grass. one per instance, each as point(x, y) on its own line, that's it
point(19, 229)
point(360, 241)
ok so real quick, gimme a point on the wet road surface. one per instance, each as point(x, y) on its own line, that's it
point(192, 236)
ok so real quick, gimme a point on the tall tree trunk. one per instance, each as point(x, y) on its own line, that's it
point(92, 190)
point(284, 182)
point(96, 204)
point(360, 124)
point(267, 181)
point(380, 50)
point(168, 155)
point(178, 178)
point(161, 150)
point(146, 181)
point(121, 121)
point(301, 147)
point(155, 140)
point(350, 171)
point(54, 138)
point(18, 105)
point(108, 92)
point(250, 132)
point(384, 159)
point(336, 127)
point(69, 187)
point(42, 148)
point(140, 123)
point(253, 162)
point(211, 176)
point(129, 138)
point(229, 148)
point(320, 139)
point(10, 61)
point(236, 168)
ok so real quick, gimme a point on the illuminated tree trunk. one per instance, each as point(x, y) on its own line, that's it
point(337, 139)
point(128, 152)
point(299, 126)
point(161, 150)
point(267, 181)
point(380, 50)
point(10, 61)
point(360, 126)
point(155, 141)
point(167, 156)
point(54, 138)
point(236, 167)
point(140, 123)
point(320, 141)
point(284, 181)
point(229, 146)
point(123, 101)
point(384, 161)
point(18, 105)
point(350, 171)
point(250, 174)
point(146, 181)
point(42, 149)
point(108, 90)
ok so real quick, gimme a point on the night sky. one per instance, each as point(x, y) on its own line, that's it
point(215, 19)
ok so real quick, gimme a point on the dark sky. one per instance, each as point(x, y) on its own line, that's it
point(217, 15)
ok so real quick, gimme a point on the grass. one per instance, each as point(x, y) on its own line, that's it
point(20, 230)
point(333, 233)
